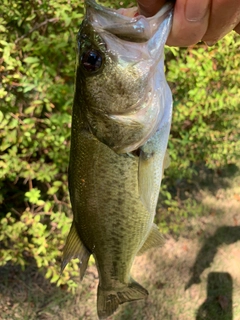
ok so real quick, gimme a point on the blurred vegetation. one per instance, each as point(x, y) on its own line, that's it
point(37, 62)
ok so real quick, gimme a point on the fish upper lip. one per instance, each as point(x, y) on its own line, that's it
point(107, 18)
point(116, 12)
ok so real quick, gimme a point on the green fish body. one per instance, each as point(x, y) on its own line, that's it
point(118, 145)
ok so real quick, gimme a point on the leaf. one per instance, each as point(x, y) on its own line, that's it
point(1, 116)
point(47, 206)
point(33, 195)
point(52, 190)
point(28, 87)
point(30, 60)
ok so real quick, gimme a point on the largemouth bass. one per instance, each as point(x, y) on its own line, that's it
point(120, 126)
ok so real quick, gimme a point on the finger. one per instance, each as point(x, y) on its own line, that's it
point(190, 22)
point(224, 17)
point(237, 28)
point(149, 7)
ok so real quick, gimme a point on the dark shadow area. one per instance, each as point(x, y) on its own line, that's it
point(31, 289)
point(204, 178)
point(219, 298)
point(182, 199)
point(211, 179)
point(223, 235)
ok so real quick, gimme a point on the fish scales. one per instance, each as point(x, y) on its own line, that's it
point(120, 126)
point(107, 192)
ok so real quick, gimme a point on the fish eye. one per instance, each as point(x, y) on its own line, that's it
point(91, 60)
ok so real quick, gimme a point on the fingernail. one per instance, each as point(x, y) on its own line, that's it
point(196, 10)
point(210, 43)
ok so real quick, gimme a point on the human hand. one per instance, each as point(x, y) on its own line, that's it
point(196, 20)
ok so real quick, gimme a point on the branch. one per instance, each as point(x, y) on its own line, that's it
point(35, 28)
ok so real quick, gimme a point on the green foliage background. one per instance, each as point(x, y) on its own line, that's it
point(37, 62)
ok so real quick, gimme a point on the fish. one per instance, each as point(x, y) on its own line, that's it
point(121, 121)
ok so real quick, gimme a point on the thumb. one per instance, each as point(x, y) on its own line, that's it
point(150, 7)
point(237, 28)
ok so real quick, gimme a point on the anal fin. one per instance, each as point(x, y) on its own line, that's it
point(74, 248)
point(154, 239)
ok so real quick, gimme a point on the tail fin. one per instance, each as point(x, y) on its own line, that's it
point(108, 301)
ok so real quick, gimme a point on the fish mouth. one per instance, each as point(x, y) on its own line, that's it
point(126, 24)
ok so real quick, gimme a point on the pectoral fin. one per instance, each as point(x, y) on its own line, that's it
point(166, 161)
point(146, 177)
point(150, 170)
point(155, 239)
point(74, 248)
